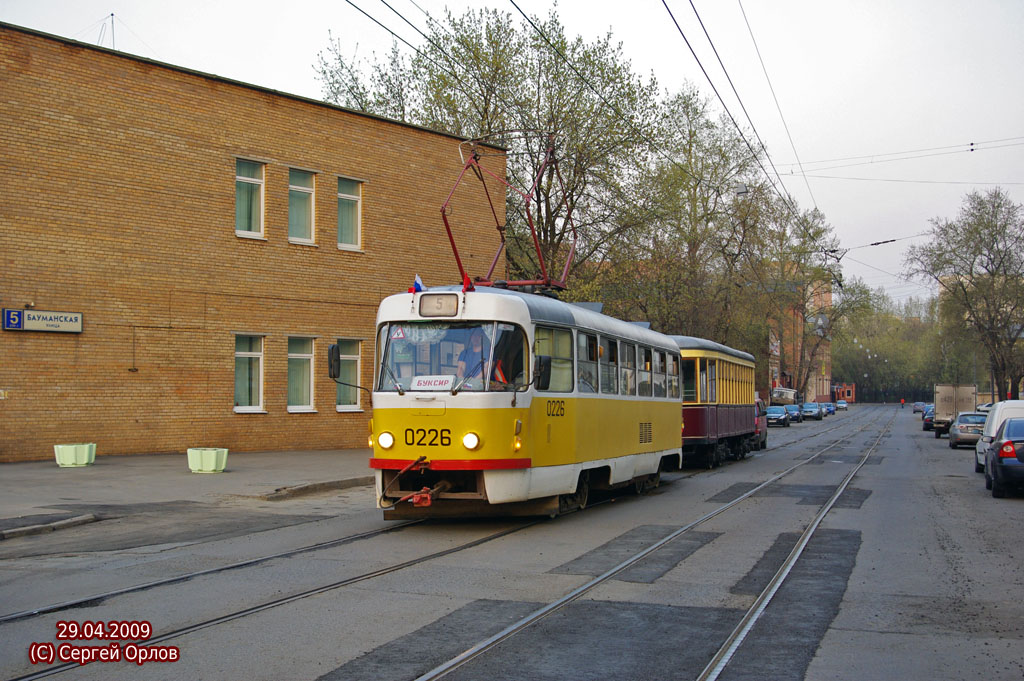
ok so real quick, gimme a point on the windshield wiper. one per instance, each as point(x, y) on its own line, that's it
point(394, 380)
point(469, 375)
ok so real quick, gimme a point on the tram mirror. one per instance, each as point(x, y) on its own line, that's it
point(333, 361)
point(542, 372)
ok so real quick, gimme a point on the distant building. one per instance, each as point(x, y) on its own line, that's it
point(799, 346)
point(845, 391)
point(211, 238)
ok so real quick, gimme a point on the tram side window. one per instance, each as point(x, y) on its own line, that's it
point(659, 374)
point(703, 380)
point(646, 362)
point(609, 359)
point(510, 359)
point(586, 362)
point(558, 344)
point(712, 380)
point(689, 374)
point(673, 375)
point(627, 359)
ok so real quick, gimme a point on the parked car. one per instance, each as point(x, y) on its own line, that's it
point(1004, 465)
point(918, 407)
point(795, 415)
point(966, 428)
point(985, 408)
point(778, 416)
point(811, 410)
point(760, 440)
point(841, 405)
point(1000, 412)
point(928, 419)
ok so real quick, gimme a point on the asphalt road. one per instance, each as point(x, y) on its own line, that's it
point(914, 574)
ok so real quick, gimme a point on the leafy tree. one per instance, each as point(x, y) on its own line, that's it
point(482, 75)
point(978, 261)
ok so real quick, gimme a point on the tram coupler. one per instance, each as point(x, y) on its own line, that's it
point(426, 496)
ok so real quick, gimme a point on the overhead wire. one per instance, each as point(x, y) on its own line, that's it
point(622, 117)
point(910, 158)
point(735, 92)
point(972, 146)
point(786, 199)
point(408, 44)
point(882, 179)
point(778, 107)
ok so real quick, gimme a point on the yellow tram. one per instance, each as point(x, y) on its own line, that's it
point(493, 401)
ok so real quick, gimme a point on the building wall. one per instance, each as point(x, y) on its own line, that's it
point(117, 200)
point(845, 391)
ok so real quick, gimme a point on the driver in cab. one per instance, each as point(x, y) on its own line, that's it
point(473, 359)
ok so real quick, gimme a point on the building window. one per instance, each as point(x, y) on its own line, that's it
point(349, 213)
point(248, 373)
point(300, 206)
point(248, 198)
point(300, 374)
point(348, 395)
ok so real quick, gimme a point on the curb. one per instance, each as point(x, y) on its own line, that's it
point(48, 527)
point(284, 493)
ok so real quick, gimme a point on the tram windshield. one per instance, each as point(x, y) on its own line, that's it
point(452, 356)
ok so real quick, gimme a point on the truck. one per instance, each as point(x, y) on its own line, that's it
point(950, 400)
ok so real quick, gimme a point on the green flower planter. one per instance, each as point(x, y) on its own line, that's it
point(75, 455)
point(207, 459)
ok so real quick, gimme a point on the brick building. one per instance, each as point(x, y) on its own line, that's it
point(215, 237)
point(845, 391)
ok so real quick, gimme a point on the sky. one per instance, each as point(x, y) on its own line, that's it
point(868, 108)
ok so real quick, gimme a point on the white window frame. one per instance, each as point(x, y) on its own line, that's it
point(263, 203)
point(311, 407)
point(358, 246)
point(256, 408)
point(311, 241)
point(358, 406)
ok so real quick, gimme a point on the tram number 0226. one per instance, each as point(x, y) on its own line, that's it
point(428, 437)
point(556, 407)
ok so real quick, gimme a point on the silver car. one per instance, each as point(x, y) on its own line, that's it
point(966, 428)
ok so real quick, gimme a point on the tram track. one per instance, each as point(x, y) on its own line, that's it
point(721, 659)
point(482, 647)
point(99, 598)
point(471, 653)
point(284, 600)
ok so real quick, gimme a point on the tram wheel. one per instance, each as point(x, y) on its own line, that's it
point(577, 501)
point(646, 483)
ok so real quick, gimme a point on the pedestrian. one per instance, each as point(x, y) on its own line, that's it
point(902, 400)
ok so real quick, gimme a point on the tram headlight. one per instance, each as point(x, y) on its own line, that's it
point(517, 443)
point(470, 440)
point(386, 440)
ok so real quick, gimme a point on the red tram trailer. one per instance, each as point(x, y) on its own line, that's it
point(720, 413)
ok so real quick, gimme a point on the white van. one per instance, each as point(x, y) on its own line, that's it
point(999, 412)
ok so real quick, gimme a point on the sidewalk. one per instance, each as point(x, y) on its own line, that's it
point(29, 490)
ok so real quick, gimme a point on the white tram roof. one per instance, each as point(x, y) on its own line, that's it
point(543, 309)
point(691, 343)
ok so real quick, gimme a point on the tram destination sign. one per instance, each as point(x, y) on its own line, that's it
point(42, 320)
